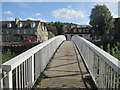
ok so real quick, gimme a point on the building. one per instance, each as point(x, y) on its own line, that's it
point(111, 35)
point(81, 30)
point(116, 29)
point(16, 31)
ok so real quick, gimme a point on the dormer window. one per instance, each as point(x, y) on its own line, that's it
point(43, 28)
point(79, 30)
point(20, 24)
point(9, 25)
point(86, 30)
point(74, 30)
point(32, 24)
point(18, 31)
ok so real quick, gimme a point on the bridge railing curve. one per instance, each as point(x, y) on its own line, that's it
point(104, 68)
point(23, 70)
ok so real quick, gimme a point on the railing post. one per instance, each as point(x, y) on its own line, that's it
point(1, 79)
point(32, 70)
point(8, 80)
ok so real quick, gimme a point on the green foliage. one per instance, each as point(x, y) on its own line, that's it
point(58, 28)
point(101, 46)
point(115, 50)
point(108, 48)
point(7, 55)
point(101, 19)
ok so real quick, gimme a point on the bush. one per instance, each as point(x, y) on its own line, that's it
point(7, 55)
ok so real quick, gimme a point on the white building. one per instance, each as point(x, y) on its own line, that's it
point(83, 31)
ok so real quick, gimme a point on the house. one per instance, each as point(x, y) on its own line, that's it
point(116, 29)
point(81, 30)
point(18, 30)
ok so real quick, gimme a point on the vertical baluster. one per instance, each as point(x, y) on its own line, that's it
point(17, 77)
point(101, 74)
point(39, 61)
point(95, 68)
point(24, 86)
point(27, 73)
point(105, 76)
point(111, 78)
point(19, 70)
point(29, 67)
point(22, 76)
point(117, 80)
point(31, 72)
point(114, 81)
point(94, 62)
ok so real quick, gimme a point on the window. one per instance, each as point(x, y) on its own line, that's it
point(7, 32)
point(31, 31)
point(118, 20)
point(18, 31)
point(32, 24)
point(20, 24)
point(24, 32)
point(9, 25)
point(7, 37)
point(85, 30)
point(79, 30)
point(74, 30)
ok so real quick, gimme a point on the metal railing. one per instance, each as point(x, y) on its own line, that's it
point(104, 68)
point(23, 70)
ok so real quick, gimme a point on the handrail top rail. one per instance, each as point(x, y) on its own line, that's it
point(12, 63)
point(109, 59)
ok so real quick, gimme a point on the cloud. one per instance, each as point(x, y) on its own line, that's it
point(42, 20)
point(67, 13)
point(114, 15)
point(8, 13)
point(9, 19)
point(60, 0)
point(36, 14)
point(84, 23)
point(69, 6)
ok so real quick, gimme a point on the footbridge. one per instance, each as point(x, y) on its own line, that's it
point(65, 65)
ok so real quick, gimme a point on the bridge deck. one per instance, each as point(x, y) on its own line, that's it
point(64, 69)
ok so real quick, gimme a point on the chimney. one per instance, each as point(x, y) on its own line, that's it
point(17, 20)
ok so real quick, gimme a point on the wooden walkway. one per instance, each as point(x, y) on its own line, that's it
point(64, 70)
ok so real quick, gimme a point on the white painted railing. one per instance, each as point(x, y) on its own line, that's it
point(104, 68)
point(23, 70)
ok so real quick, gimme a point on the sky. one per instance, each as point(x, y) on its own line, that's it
point(72, 12)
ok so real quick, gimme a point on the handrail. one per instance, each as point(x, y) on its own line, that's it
point(104, 68)
point(23, 70)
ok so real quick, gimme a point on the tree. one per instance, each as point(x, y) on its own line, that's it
point(59, 27)
point(101, 19)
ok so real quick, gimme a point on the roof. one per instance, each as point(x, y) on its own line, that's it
point(25, 24)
